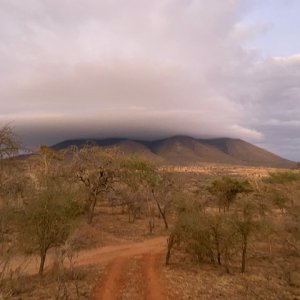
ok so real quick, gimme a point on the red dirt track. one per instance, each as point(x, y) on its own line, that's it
point(109, 286)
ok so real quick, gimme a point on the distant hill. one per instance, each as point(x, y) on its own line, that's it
point(184, 150)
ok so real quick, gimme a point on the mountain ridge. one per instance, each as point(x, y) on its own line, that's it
point(185, 150)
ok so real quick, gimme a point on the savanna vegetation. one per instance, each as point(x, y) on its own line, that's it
point(238, 236)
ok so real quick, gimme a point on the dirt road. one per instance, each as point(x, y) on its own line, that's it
point(117, 260)
point(111, 285)
point(108, 253)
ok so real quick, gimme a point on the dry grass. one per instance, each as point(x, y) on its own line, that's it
point(266, 278)
point(210, 169)
point(46, 288)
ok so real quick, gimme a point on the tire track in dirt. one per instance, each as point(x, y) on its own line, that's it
point(132, 281)
point(153, 287)
point(117, 279)
point(119, 257)
point(110, 285)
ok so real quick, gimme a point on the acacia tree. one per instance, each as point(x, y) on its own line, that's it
point(12, 182)
point(246, 221)
point(162, 189)
point(287, 187)
point(158, 186)
point(205, 235)
point(48, 166)
point(96, 169)
point(132, 198)
point(138, 175)
point(9, 147)
point(48, 220)
point(226, 190)
point(9, 144)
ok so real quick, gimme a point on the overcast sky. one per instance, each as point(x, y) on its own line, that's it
point(150, 69)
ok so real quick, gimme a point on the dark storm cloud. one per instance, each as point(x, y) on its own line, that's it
point(142, 69)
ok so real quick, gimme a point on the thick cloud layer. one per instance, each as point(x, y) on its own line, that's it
point(143, 69)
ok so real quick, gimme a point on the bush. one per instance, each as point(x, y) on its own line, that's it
point(48, 220)
point(206, 236)
point(283, 177)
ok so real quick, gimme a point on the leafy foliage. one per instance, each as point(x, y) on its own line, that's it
point(97, 170)
point(226, 190)
point(283, 177)
point(9, 144)
point(48, 221)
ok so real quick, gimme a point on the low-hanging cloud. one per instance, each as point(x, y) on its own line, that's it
point(142, 69)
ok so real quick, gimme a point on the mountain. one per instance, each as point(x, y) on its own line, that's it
point(248, 153)
point(184, 150)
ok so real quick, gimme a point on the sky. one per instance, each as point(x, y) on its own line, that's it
point(151, 69)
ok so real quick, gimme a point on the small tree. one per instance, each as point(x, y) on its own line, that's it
point(162, 188)
point(9, 147)
point(141, 175)
point(205, 235)
point(9, 144)
point(246, 221)
point(96, 169)
point(292, 229)
point(48, 166)
point(158, 186)
point(279, 199)
point(47, 221)
point(226, 190)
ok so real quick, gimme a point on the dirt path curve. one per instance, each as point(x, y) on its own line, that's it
point(115, 258)
point(101, 255)
point(109, 287)
point(108, 253)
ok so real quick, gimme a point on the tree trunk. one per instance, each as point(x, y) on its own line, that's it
point(227, 261)
point(170, 242)
point(216, 236)
point(42, 262)
point(151, 225)
point(162, 213)
point(165, 221)
point(91, 210)
point(244, 255)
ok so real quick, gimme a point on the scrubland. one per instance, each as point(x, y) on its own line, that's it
point(91, 223)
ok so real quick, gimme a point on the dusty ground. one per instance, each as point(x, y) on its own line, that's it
point(137, 277)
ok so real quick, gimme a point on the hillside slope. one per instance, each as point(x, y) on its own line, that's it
point(184, 150)
point(248, 153)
